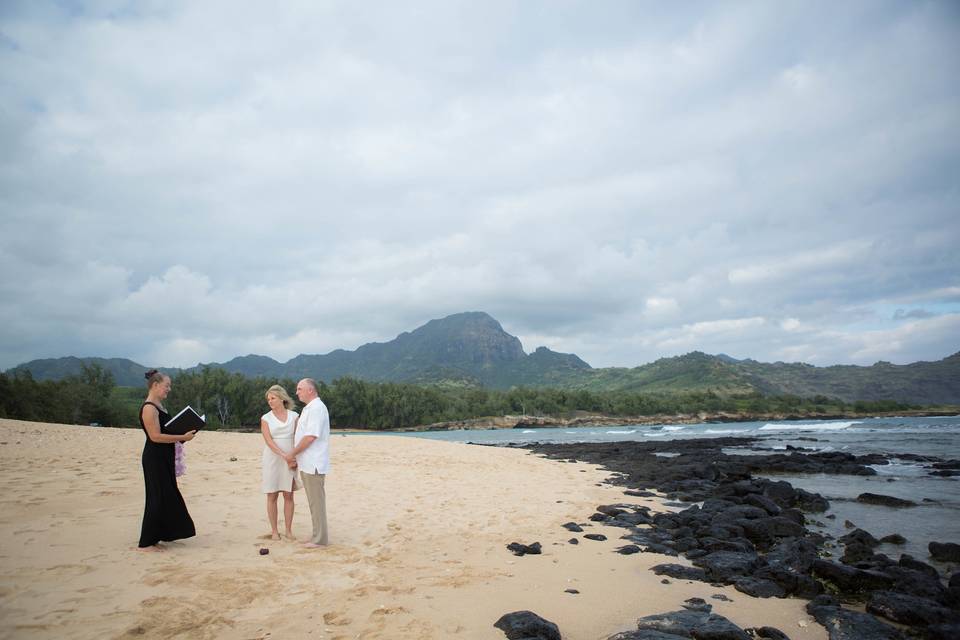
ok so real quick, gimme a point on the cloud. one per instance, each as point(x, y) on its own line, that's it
point(623, 183)
point(903, 314)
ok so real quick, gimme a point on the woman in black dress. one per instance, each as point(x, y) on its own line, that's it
point(165, 515)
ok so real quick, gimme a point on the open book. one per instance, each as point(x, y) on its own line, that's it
point(186, 420)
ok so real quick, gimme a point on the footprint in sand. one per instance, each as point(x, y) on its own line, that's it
point(336, 619)
point(387, 611)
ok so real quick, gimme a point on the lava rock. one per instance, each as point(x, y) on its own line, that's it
point(526, 625)
point(850, 579)
point(697, 604)
point(759, 588)
point(909, 562)
point(945, 551)
point(573, 526)
point(764, 503)
point(860, 536)
point(524, 549)
point(910, 610)
point(611, 510)
point(726, 566)
point(680, 572)
point(684, 624)
point(885, 501)
point(595, 536)
point(849, 625)
point(769, 633)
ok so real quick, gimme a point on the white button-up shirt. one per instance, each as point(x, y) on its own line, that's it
point(314, 421)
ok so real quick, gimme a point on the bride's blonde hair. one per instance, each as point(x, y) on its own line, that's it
point(281, 393)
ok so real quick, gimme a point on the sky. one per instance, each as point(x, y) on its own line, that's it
point(186, 182)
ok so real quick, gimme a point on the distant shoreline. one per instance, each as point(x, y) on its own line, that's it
point(599, 420)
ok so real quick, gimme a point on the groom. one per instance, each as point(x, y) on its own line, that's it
point(311, 452)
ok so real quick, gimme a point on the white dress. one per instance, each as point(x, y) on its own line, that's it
point(277, 475)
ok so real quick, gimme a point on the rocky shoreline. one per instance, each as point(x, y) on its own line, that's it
point(751, 533)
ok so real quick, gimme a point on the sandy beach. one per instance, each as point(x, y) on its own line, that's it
point(418, 535)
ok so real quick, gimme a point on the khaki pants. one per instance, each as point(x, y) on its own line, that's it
point(317, 499)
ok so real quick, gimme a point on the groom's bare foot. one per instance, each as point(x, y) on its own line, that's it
point(151, 549)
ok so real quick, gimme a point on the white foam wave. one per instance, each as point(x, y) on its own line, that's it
point(674, 428)
point(654, 434)
point(723, 431)
point(815, 426)
point(634, 431)
point(528, 431)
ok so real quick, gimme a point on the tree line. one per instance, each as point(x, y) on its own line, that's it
point(233, 400)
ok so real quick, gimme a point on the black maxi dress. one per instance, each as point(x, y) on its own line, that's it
point(165, 515)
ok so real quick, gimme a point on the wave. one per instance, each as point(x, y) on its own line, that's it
point(718, 432)
point(674, 428)
point(821, 426)
point(528, 431)
point(634, 431)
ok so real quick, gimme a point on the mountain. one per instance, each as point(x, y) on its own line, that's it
point(920, 382)
point(126, 373)
point(472, 349)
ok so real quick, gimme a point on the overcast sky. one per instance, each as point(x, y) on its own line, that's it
point(191, 181)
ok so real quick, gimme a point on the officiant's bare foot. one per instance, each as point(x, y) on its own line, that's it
point(151, 549)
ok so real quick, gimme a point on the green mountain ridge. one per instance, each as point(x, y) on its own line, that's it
point(472, 349)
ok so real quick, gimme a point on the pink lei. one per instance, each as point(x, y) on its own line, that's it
point(179, 463)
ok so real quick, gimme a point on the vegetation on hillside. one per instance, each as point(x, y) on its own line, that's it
point(233, 400)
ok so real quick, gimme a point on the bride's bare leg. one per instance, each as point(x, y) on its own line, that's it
point(288, 513)
point(272, 514)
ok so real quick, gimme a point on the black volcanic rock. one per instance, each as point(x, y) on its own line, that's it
point(945, 551)
point(910, 610)
point(524, 549)
point(526, 625)
point(843, 624)
point(885, 501)
point(680, 572)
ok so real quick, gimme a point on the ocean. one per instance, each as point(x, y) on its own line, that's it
point(936, 518)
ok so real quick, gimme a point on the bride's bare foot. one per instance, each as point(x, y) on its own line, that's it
point(151, 549)
point(274, 536)
point(289, 536)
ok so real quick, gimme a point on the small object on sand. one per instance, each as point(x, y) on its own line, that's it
point(233, 459)
point(264, 551)
point(573, 591)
